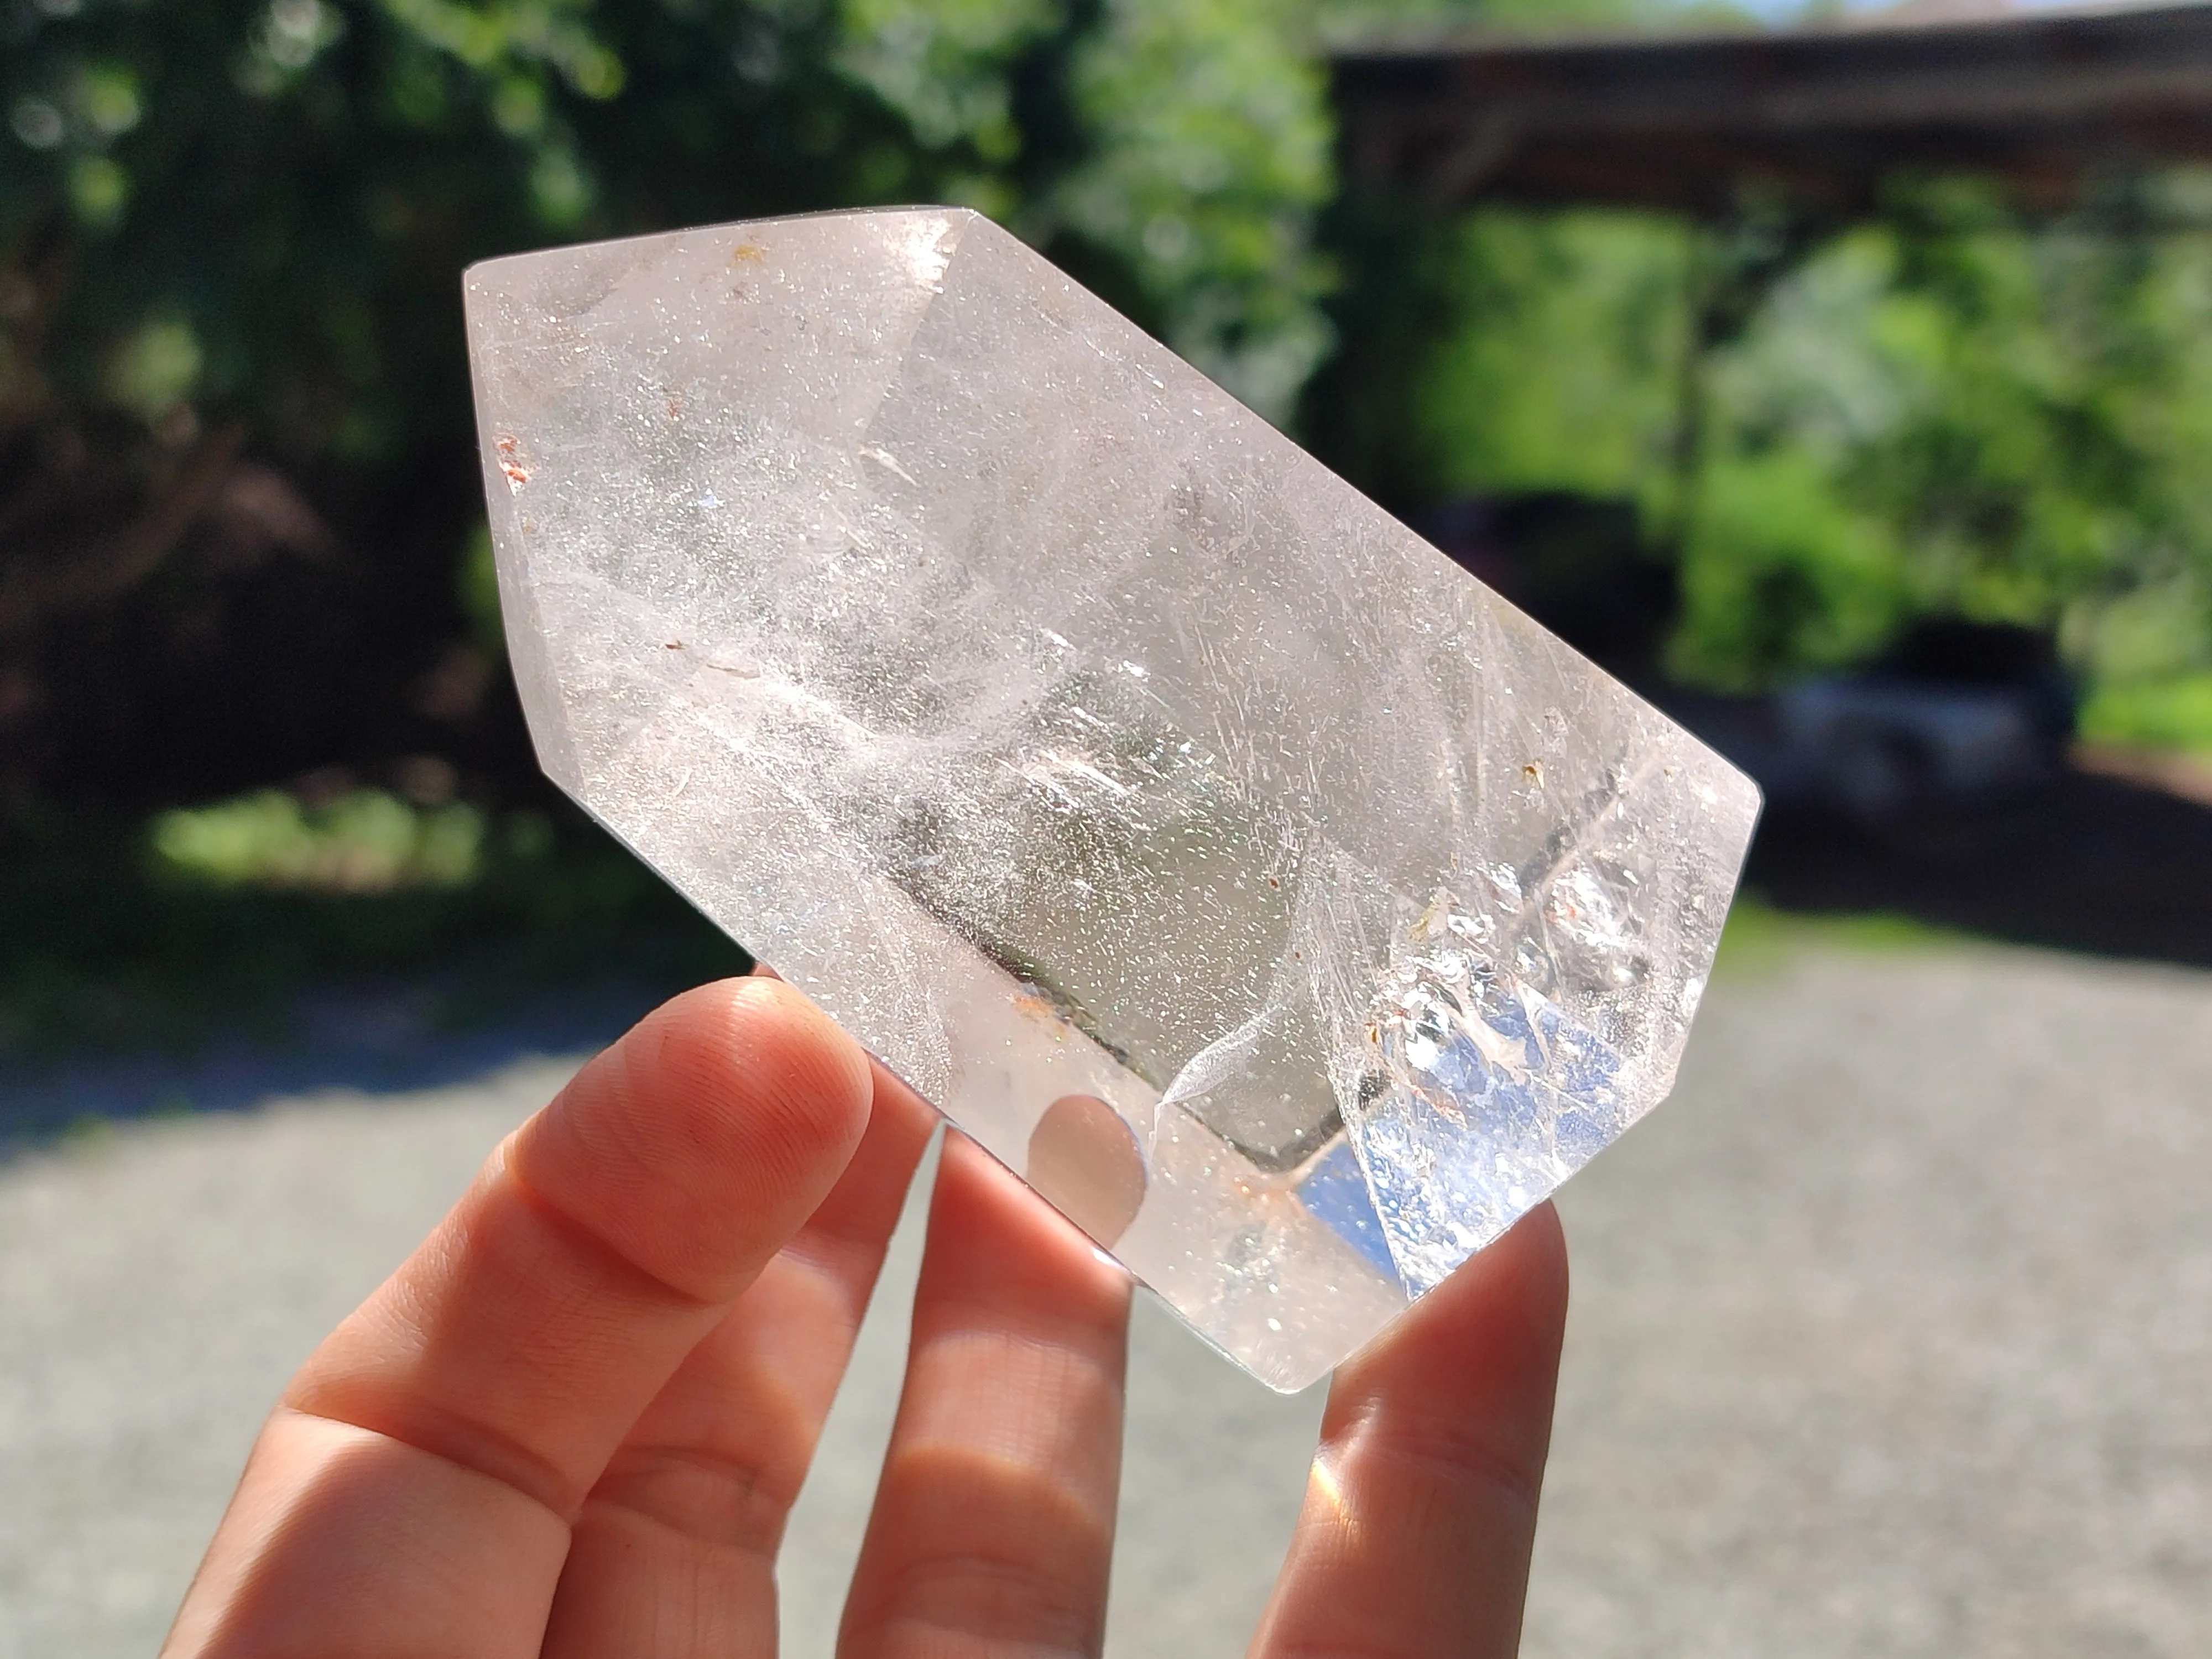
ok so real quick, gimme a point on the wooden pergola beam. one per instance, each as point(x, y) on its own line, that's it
point(2044, 101)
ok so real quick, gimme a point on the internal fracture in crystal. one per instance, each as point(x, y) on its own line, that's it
point(1284, 906)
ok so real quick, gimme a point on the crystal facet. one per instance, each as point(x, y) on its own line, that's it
point(1288, 909)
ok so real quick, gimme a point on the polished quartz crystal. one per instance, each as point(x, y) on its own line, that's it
point(1282, 904)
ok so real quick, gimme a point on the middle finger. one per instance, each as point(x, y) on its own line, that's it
point(994, 1523)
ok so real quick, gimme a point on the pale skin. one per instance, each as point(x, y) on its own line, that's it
point(573, 1422)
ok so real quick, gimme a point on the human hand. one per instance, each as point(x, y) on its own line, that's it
point(573, 1421)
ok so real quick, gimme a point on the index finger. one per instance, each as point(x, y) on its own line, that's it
point(414, 1490)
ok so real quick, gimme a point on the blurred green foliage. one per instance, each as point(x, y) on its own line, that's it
point(2171, 713)
point(119, 934)
point(1759, 941)
point(368, 841)
point(1559, 362)
point(230, 238)
point(240, 527)
point(260, 208)
point(236, 428)
point(1951, 410)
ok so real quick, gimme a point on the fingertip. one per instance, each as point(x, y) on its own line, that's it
point(758, 1038)
point(755, 1077)
point(1421, 1513)
point(716, 1125)
point(1028, 1248)
point(1491, 1332)
point(1532, 1267)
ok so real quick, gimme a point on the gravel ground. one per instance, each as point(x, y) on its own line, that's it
point(1892, 1336)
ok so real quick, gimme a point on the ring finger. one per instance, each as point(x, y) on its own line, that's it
point(994, 1523)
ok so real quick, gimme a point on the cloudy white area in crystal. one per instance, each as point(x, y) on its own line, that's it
point(1091, 752)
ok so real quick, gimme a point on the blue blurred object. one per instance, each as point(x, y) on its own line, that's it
point(1958, 717)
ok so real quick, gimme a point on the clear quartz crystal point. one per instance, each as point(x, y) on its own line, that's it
point(1283, 905)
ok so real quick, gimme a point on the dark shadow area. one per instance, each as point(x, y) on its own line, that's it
point(365, 1039)
point(2094, 863)
point(127, 990)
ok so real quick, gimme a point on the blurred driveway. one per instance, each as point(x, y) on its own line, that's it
point(1892, 1336)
